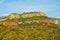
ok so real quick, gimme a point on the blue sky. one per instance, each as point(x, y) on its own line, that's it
point(50, 7)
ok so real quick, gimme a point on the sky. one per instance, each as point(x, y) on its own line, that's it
point(50, 7)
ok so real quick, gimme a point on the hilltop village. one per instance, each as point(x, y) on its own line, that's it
point(15, 19)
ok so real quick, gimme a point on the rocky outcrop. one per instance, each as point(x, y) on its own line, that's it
point(26, 15)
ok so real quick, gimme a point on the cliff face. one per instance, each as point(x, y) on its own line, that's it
point(30, 17)
point(26, 15)
point(33, 14)
point(13, 16)
point(45, 21)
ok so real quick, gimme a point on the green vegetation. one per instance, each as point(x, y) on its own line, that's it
point(31, 18)
point(20, 16)
point(30, 32)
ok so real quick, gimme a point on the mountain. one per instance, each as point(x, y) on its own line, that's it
point(28, 15)
point(29, 26)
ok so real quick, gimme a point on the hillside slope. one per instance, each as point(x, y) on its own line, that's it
point(30, 32)
point(29, 26)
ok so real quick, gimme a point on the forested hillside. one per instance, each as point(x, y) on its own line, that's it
point(29, 26)
point(30, 32)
